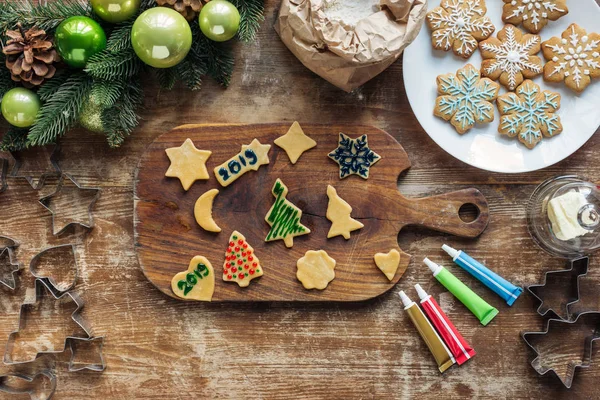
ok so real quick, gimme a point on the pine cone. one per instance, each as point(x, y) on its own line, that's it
point(30, 56)
point(188, 8)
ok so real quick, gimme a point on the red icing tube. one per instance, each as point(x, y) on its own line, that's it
point(459, 347)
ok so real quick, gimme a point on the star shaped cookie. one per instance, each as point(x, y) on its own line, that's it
point(187, 163)
point(295, 142)
point(354, 156)
point(338, 212)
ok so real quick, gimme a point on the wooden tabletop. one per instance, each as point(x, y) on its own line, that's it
point(157, 347)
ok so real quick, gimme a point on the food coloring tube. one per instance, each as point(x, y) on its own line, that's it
point(461, 350)
point(498, 284)
point(479, 307)
point(440, 352)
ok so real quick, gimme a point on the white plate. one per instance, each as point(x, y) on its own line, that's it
point(483, 147)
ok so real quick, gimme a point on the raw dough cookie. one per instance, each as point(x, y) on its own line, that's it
point(295, 142)
point(388, 263)
point(534, 14)
point(251, 157)
point(465, 98)
point(338, 212)
point(459, 24)
point(354, 156)
point(197, 283)
point(284, 217)
point(187, 163)
point(574, 58)
point(511, 57)
point(241, 264)
point(529, 114)
point(315, 270)
point(203, 211)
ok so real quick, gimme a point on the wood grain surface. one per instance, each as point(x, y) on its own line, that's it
point(160, 348)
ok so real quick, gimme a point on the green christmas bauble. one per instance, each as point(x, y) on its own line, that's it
point(219, 20)
point(90, 116)
point(20, 107)
point(161, 37)
point(115, 11)
point(79, 38)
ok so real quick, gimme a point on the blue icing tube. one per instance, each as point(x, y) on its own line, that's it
point(498, 284)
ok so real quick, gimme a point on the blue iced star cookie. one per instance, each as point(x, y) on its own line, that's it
point(354, 156)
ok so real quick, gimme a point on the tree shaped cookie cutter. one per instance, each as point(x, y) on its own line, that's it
point(7, 247)
point(56, 287)
point(577, 269)
point(31, 389)
point(41, 287)
point(538, 363)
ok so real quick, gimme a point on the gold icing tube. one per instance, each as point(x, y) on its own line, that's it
point(440, 352)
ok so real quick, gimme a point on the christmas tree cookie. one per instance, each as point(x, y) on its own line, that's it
point(295, 142)
point(315, 270)
point(197, 283)
point(241, 264)
point(284, 217)
point(338, 212)
point(388, 263)
point(187, 163)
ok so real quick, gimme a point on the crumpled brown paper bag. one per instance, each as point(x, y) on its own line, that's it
point(345, 56)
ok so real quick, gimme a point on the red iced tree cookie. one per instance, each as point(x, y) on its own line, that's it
point(241, 264)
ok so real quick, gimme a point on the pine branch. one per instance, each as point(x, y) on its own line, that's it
point(191, 73)
point(107, 93)
point(60, 112)
point(14, 139)
point(108, 66)
point(51, 86)
point(251, 16)
point(166, 77)
point(216, 59)
point(6, 83)
point(120, 37)
point(46, 16)
point(121, 119)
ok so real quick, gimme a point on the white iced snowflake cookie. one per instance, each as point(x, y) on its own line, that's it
point(534, 14)
point(459, 25)
point(511, 57)
point(574, 58)
point(529, 114)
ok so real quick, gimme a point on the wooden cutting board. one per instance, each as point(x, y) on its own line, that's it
point(167, 235)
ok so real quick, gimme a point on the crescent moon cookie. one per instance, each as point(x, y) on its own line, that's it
point(203, 211)
point(511, 57)
point(534, 14)
point(459, 25)
point(465, 98)
point(574, 58)
point(529, 114)
point(197, 283)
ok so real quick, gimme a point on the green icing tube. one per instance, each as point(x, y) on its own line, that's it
point(479, 307)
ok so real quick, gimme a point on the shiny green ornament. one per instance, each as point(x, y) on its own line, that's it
point(90, 116)
point(20, 107)
point(219, 20)
point(115, 11)
point(79, 38)
point(161, 37)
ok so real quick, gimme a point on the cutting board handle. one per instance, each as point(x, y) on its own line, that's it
point(441, 212)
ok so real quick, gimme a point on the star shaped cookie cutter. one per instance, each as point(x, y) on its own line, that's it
point(538, 364)
point(19, 162)
point(6, 387)
point(577, 269)
point(42, 287)
point(45, 202)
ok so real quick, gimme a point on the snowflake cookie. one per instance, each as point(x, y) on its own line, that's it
point(459, 24)
point(529, 113)
point(574, 58)
point(511, 57)
point(534, 14)
point(465, 98)
point(354, 156)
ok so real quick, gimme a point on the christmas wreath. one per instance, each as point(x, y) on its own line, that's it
point(70, 63)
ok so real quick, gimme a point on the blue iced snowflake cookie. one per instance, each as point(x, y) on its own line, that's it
point(529, 114)
point(465, 98)
point(354, 156)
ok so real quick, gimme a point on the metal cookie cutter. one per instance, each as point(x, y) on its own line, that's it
point(37, 391)
point(75, 365)
point(19, 169)
point(589, 319)
point(52, 284)
point(46, 202)
point(3, 169)
point(41, 287)
point(8, 268)
point(577, 269)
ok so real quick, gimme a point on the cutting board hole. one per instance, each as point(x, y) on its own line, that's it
point(468, 212)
